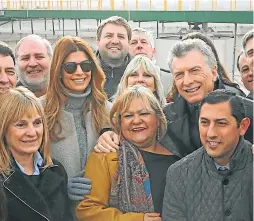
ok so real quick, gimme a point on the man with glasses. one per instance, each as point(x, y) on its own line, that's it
point(33, 55)
point(8, 76)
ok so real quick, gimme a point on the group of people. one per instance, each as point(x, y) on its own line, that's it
point(110, 136)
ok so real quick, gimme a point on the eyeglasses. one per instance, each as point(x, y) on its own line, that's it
point(71, 67)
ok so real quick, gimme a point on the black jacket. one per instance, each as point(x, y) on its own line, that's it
point(179, 138)
point(113, 75)
point(47, 202)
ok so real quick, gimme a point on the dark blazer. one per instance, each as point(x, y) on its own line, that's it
point(48, 202)
point(177, 139)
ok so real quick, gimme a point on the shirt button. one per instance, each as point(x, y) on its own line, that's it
point(225, 182)
point(227, 213)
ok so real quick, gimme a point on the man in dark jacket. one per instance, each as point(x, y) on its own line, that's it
point(248, 48)
point(8, 77)
point(246, 73)
point(113, 36)
point(194, 70)
point(216, 181)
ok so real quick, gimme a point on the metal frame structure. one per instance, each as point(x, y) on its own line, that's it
point(244, 17)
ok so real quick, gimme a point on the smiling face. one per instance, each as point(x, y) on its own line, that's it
point(78, 81)
point(141, 78)
point(24, 137)
point(33, 63)
point(7, 73)
point(113, 44)
point(249, 49)
point(246, 73)
point(139, 124)
point(193, 77)
point(140, 45)
point(219, 132)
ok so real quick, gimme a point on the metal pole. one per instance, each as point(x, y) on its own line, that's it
point(12, 28)
point(32, 26)
point(63, 26)
point(53, 26)
point(233, 68)
point(45, 24)
point(76, 27)
point(157, 29)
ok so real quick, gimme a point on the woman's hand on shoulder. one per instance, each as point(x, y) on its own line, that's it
point(107, 142)
point(152, 217)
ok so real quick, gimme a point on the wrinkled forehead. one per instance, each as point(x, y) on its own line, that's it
point(243, 60)
point(32, 46)
point(141, 36)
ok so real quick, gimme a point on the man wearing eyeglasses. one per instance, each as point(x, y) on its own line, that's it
point(8, 76)
point(33, 55)
point(113, 36)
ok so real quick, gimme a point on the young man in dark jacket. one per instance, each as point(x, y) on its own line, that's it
point(216, 181)
point(113, 36)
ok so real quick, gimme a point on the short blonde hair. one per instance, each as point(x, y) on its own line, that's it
point(122, 102)
point(150, 68)
point(14, 105)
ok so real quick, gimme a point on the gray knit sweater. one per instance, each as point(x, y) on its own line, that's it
point(75, 106)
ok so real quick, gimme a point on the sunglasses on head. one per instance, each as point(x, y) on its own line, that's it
point(71, 67)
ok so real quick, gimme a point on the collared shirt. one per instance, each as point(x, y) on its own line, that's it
point(38, 162)
point(221, 167)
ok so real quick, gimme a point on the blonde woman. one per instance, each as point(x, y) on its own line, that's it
point(142, 71)
point(35, 185)
point(76, 108)
point(129, 185)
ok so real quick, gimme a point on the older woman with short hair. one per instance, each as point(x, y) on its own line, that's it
point(35, 185)
point(142, 71)
point(129, 185)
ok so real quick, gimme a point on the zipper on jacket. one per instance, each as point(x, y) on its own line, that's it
point(21, 199)
point(112, 73)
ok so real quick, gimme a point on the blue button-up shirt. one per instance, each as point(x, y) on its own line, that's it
point(219, 166)
point(38, 162)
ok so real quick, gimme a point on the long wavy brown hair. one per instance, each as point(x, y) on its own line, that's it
point(56, 96)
